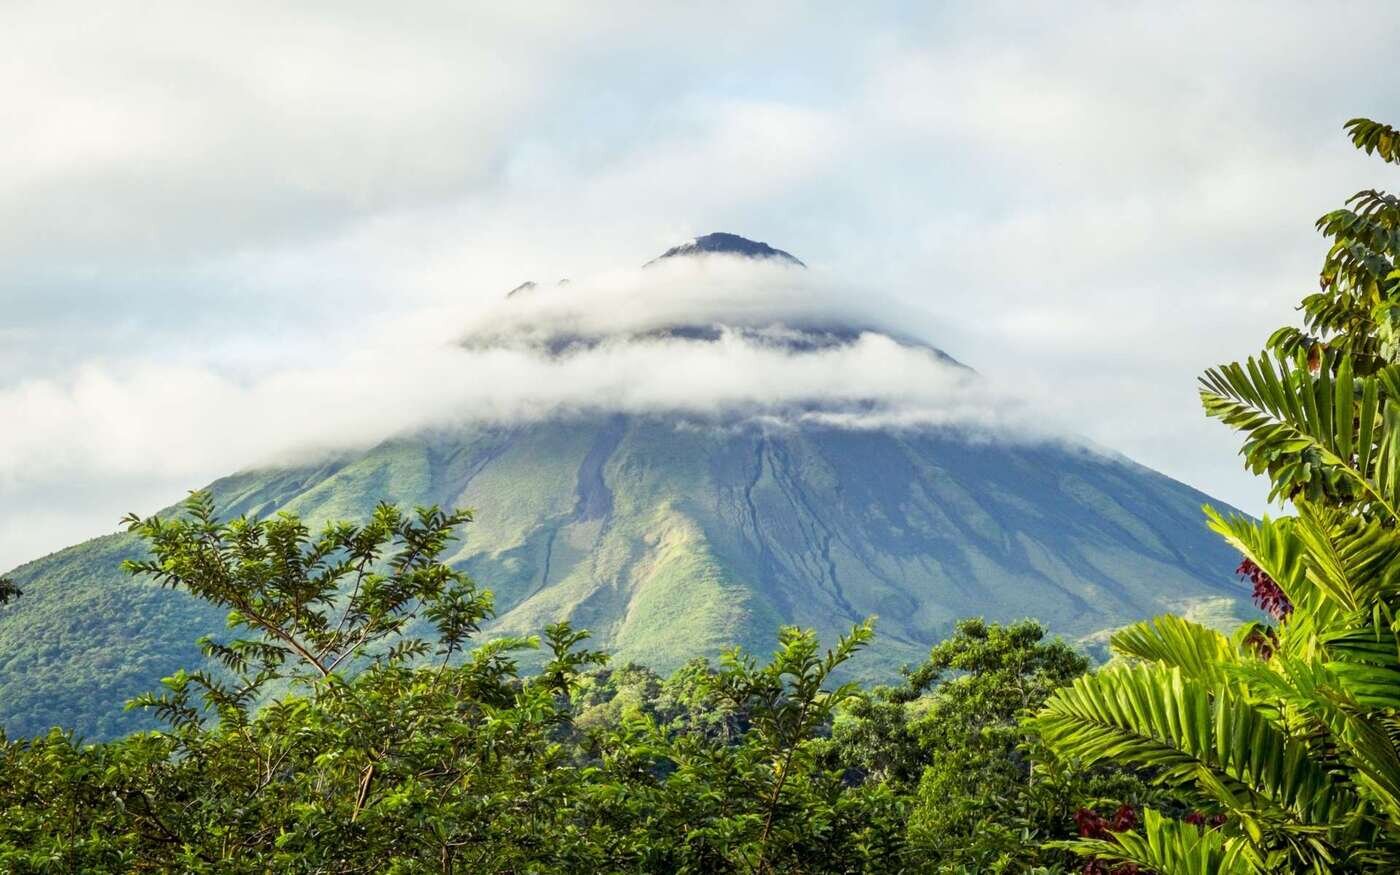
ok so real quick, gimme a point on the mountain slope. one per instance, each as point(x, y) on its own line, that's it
point(671, 540)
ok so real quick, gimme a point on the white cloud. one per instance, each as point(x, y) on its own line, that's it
point(675, 291)
point(131, 419)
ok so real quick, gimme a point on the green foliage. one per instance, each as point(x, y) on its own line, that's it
point(1287, 731)
point(333, 738)
point(1374, 137)
point(280, 583)
point(983, 795)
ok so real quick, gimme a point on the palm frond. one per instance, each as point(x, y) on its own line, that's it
point(1326, 436)
point(1171, 847)
point(1217, 740)
point(1199, 652)
point(1310, 693)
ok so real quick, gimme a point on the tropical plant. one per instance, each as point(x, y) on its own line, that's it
point(1286, 732)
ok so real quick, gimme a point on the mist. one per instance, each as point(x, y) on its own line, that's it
point(183, 425)
point(696, 290)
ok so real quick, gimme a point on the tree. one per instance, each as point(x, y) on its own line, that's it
point(750, 792)
point(8, 591)
point(328, 739)
point(1285, 732)
point(787, 702)
point(981, 797)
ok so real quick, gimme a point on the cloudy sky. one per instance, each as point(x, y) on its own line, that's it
point(214, 218)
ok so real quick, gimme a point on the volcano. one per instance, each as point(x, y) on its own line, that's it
point(672, 534)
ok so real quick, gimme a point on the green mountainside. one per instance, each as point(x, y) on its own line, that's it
point(674, 539)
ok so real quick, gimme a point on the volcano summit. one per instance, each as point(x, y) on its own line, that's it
point(727, 244)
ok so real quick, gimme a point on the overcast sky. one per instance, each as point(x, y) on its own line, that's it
point(208, 206)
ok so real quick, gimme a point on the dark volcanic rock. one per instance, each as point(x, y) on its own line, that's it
point(721, 243)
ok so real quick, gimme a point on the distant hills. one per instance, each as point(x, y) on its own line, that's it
point(672, 536)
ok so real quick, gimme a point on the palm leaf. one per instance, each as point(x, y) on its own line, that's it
point(1154, 715)
point(1310, 432)
point(1171, 847)
point(1199, 652)
point(1314, 693)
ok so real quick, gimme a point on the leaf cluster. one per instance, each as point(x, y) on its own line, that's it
point(1286, 732)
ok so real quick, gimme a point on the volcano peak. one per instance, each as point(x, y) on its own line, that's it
point(722, 243)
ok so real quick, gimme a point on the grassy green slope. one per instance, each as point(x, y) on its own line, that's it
point(671, 542)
